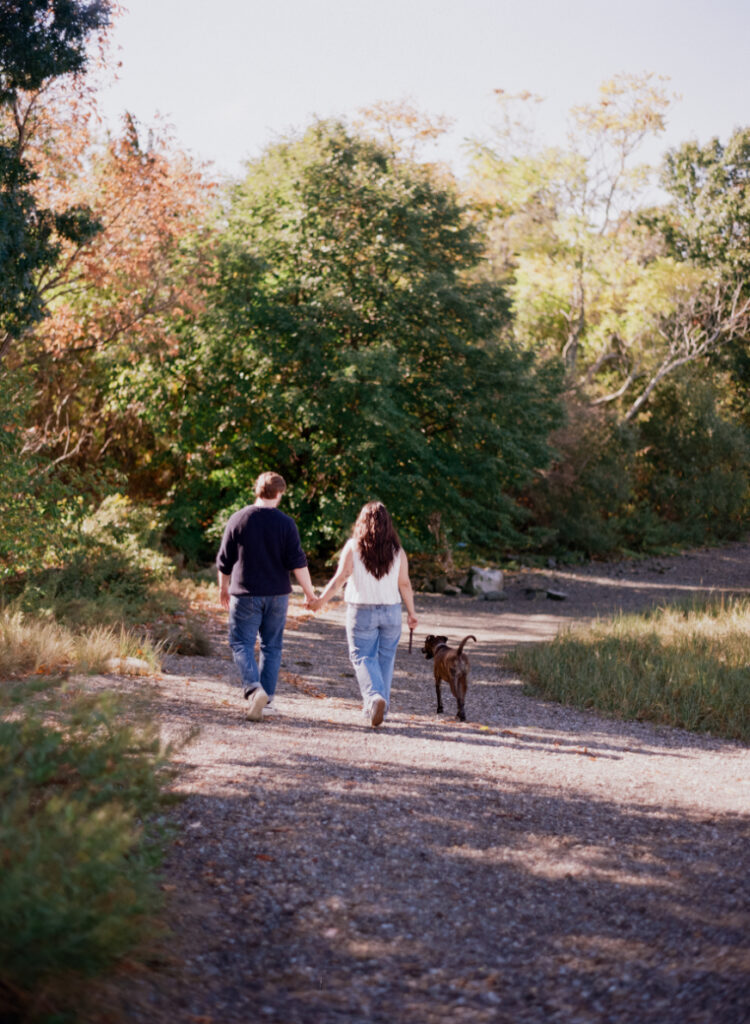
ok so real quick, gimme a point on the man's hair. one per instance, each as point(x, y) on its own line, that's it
point(376, 538)
point(269, 485)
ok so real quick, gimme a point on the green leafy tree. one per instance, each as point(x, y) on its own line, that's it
point(346, 347)
point(694, 461)
point(707, 224)
point(589, 275)
point(708, 219)
point(561, 217)
point(634, 299)
point(40, 40)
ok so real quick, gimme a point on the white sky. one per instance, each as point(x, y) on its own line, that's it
point(231, 75)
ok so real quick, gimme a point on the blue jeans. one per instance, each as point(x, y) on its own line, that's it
point(373, 632)
point(249, 616)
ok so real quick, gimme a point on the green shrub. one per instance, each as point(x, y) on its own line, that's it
point(32, 506)
point(580, 500)
point(695, 468)
point(104, 572)
point(679, 477)
point(80, 842)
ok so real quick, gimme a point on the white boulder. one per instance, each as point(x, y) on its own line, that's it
point(485, 581)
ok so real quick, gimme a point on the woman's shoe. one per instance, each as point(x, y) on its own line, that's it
point(377, 711)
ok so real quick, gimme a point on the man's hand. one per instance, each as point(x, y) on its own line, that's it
point(223, 582)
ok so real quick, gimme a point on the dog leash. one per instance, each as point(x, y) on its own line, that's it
point(411, 635)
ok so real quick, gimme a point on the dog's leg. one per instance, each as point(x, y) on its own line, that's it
point(460, 692)
point(439, 698)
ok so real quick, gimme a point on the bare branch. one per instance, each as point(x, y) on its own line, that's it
point(694, 332)
point(633, 376)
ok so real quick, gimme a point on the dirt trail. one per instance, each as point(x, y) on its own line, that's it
point(535, 864)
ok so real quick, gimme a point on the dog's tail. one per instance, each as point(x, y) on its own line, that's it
point(461, 645)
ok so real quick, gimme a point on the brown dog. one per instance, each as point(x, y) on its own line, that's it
point(450, 666)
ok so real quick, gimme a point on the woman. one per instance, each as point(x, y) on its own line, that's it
point(376, 568)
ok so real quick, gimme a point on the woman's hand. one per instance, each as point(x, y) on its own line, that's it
point(412, 621)
point(343, 573)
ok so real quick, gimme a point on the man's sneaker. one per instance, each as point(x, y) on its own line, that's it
point(271, 708)
point(377, 711)
point(255, 704)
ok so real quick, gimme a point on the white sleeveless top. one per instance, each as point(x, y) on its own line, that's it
point(363, 588)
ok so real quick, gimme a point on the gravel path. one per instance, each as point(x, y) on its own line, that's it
point(534, 864)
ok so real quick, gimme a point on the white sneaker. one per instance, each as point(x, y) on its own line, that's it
point(255, 704)
point(271, 708)
point(377, 711)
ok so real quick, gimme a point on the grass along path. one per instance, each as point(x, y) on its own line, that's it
point(686, 666)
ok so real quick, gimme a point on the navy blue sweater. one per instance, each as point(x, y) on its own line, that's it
point(259, 549)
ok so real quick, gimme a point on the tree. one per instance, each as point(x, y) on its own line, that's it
point(707, 225)
point(708, 219)
point(40, 40)
point(400, 128)
point(43, 39)
point(105, 292)
point(114, 300)
point(344, 345)
point(626, 294)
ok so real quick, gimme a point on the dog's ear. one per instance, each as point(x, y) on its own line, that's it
point(440, 639)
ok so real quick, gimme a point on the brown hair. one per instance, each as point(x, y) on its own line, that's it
point(376, 538)
point(268, 485)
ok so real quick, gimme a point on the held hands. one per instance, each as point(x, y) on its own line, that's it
point(313, 603)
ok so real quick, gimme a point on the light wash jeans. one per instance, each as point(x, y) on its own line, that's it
point(249, 616)
point(373, 632)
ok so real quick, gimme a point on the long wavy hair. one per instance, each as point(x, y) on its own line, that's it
point(376, 538)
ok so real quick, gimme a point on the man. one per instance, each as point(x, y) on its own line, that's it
point(260, 547)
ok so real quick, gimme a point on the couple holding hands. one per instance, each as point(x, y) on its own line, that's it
point(259, 549)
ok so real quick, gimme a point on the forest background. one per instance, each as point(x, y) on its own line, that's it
point(537, 360)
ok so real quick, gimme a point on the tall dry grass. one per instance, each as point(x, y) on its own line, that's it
point(32, 645)
point(686, 666)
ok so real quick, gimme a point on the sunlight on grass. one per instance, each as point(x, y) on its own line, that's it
point(29, 645)
point(95, 647)
point(32, 645)
point(686, 666)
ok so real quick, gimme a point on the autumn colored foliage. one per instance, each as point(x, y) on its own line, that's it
point(351, 304)
point(120, 284)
